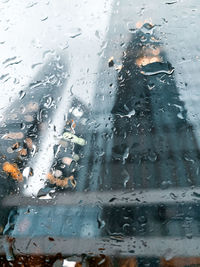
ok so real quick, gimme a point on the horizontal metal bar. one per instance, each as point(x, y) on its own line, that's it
point(110, 198)
point(144, 247)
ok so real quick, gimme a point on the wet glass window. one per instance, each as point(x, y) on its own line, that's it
point(99, 133)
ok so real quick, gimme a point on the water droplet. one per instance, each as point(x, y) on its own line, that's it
point(173, 196)
point(4, 76)
point(49, 102)
point(75, 32)
point(168, 254)
point(8, 60)
point(22, 94)
point(101, 261)
point(147, 28)
point(97, 34)
point(125, 155)
point(45, 18)
point(152, 156)
point(126, 227)
point(157, 68)
point(67, 263)
point(33, 151)
point(77, 112)
point(112, 199)
point(36, 64)
point(31, 4)
point(131, 27)
point(171, 3)
point(59, 65)
point(142, 219)
point(151, 86)
point(125, 177)
point(101, 223)
point(53, 79)
point(180, 116)
point(189, 235)
point(195, 194)
point(188, 159)
point(10, 150)
point(143, 38)
point(111, 62)
point(11, 61)
point(129, 115)
point(47, 196)
point(48, 52)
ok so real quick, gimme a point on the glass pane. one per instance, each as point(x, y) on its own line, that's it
point(99, 133)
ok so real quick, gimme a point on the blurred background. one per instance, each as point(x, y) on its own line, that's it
point(99, 147)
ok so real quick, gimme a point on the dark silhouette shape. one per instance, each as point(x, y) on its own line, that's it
point(161, 146)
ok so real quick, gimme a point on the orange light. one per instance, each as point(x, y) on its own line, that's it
point(13, 170)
